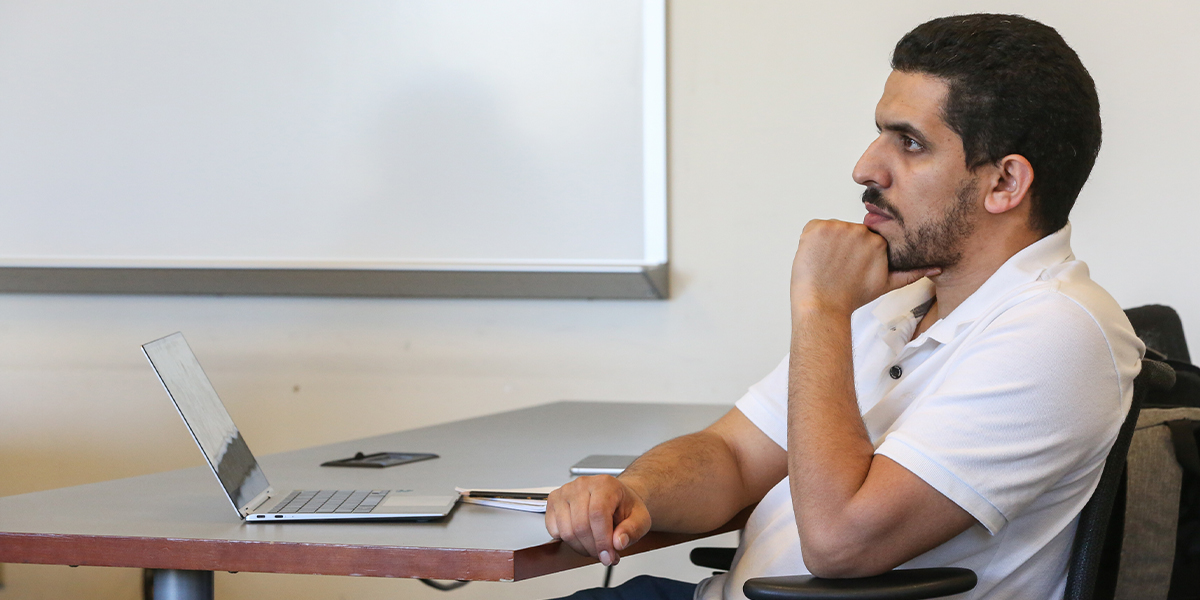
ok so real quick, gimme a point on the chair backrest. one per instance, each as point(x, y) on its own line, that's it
point(1090, 550)
point(1160, 328)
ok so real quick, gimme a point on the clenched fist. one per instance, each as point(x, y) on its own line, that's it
point(598, 516)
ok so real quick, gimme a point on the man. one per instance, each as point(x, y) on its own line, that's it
point(955, 379)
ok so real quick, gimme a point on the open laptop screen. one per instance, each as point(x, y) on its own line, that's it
point(206, 418)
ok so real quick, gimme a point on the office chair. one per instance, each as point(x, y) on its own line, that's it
point(1087, 552)
point(1160, 328)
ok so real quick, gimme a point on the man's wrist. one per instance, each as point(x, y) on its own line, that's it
point(635, 485)
point(810, 309)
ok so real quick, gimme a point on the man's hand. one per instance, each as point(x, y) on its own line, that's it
point(598, 516)
point(841, 266)
point(691, 484)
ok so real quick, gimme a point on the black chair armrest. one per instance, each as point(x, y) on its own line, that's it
point(901, 584)
point(720, 559)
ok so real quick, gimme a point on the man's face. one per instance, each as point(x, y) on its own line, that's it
point(920, 195)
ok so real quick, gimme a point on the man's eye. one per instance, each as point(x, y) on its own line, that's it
point(910, 144)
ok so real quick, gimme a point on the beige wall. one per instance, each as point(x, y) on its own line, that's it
point(771, 103)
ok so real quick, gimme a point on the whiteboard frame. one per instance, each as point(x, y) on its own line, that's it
point(624, 279)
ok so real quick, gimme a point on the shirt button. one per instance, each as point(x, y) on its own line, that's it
point(895, 372)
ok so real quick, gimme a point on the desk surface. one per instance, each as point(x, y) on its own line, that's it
point(181, 519)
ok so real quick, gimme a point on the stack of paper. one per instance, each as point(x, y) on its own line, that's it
point(526, 499)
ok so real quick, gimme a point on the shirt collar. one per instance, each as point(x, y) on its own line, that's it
point(908, 302)
point(1025, 266)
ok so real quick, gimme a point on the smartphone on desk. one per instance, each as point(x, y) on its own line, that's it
point(602, 464)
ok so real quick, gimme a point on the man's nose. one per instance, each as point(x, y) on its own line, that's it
point(870, 169)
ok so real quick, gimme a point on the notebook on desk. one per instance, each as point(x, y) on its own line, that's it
point(239, 473)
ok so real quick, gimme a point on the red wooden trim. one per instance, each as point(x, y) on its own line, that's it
point(316, 559)
point(264, 557)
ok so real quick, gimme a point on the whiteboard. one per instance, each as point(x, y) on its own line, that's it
point(313, 136)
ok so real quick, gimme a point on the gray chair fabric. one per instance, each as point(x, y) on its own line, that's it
point(1154, 481)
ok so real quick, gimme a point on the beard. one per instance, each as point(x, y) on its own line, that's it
point(935, 243)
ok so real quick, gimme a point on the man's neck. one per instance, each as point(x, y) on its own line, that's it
point(955, 284)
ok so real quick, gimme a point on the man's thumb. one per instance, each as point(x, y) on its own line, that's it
point(629, 531)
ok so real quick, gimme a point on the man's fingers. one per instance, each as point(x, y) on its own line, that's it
point(581, 526)
point(842, 266)
point(583, 513)
point(566, 532)
point(631, 529)
point(558, 520)
point(602, 522)
point(552, 509)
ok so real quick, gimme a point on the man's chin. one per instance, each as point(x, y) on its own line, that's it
point(896, 265)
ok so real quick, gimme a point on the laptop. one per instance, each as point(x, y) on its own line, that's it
point(239, 473)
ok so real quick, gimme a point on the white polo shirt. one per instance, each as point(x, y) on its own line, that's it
point(1008, 406)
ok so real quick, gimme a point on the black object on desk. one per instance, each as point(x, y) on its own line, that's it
point(379, 460)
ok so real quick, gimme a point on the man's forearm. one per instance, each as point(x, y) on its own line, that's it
point(856, 514)
point(690, 484)
point(830, 451)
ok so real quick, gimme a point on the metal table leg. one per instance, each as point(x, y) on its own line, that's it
point(173, 584)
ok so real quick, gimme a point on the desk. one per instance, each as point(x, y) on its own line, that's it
point(180, 520)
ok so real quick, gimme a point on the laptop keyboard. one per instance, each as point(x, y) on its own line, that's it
point(330, 501)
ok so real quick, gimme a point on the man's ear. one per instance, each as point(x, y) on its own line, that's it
point(1014, 175)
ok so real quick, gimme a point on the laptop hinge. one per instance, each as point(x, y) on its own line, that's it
point(257, 502)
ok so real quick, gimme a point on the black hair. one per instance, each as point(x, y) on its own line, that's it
point(1015, 87)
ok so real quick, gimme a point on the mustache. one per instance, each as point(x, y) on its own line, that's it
point(874, 196)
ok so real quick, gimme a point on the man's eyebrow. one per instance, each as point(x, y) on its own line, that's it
point(904, 128)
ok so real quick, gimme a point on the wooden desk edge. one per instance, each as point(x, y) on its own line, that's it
point(256, 556)
point(315, 559)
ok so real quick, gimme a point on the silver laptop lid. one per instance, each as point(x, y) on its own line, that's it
point(207, 419)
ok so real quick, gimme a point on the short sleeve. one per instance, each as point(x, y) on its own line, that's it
point(765, 404)
point(1033, 399)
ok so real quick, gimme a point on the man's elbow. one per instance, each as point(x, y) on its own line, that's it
point(834, 555)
